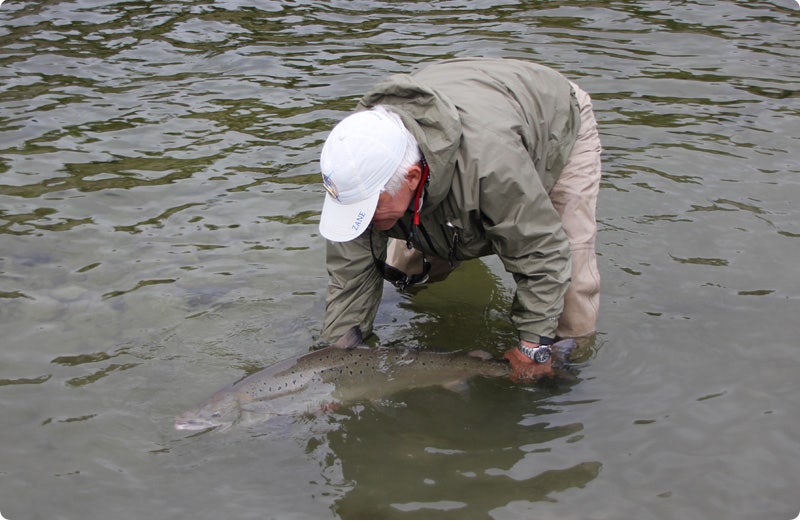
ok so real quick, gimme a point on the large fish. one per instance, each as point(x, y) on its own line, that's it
point(344, 372)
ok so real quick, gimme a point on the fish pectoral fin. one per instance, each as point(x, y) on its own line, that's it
point(352, 338)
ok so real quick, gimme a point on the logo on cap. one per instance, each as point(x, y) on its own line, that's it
point(330, 186)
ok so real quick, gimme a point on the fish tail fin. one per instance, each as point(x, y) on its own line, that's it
point(563, 348)
point(352, 338)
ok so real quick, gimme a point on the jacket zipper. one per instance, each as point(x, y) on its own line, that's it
point(452, 243)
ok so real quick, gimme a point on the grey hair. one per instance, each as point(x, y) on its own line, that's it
point(411, 157)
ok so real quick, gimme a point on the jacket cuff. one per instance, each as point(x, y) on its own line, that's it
point(538, 339)
point(535, 331)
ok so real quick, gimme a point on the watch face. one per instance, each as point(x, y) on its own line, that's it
point(542, 355)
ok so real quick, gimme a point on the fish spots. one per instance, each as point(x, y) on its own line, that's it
point(344, 374)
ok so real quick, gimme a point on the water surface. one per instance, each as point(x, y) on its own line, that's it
point(159, 200)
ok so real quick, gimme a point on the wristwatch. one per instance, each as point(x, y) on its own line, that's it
point(540, 354)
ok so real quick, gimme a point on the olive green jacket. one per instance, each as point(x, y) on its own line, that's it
point(496, 134)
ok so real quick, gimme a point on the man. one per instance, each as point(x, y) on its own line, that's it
point(461, 159)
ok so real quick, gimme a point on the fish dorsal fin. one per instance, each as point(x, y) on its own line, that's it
point(352, 338)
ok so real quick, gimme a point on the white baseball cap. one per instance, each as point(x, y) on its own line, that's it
point(359, 157)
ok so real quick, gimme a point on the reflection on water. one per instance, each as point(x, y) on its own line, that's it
point(158, 206)
point(460, 456)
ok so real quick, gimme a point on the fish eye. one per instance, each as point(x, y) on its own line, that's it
point(216, 414)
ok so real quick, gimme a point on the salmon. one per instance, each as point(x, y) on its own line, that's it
point(344, 372)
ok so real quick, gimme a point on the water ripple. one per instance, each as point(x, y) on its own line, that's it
point(159, 179)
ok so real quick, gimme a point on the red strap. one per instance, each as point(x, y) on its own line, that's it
point(423, 180)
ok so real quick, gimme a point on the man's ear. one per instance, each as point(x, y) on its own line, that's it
point(413, 177)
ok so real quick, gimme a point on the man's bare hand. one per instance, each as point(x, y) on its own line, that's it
point(523, 369)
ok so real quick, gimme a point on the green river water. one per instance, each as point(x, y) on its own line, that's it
point(159, 201)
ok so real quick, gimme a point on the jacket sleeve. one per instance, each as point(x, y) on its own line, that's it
point(526, 233)
point(354, 286)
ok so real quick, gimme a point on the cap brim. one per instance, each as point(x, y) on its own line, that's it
point(344, 222)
